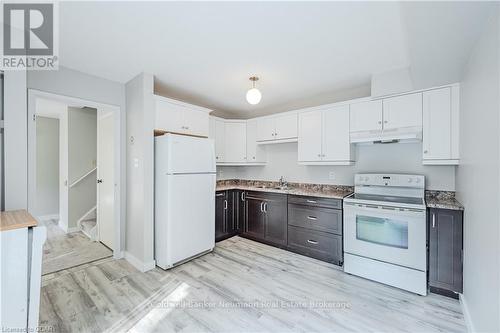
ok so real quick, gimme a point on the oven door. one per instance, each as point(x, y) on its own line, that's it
point(386, 233)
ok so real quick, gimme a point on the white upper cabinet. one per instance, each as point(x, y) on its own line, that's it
point(310, 138)
point(286, 127)
point(255, 152)
point(265, 129)
point(281, 127)
point(179, 117)
point(366, 116)
point(236, 142)
point(440, 126)
point(336, 144)
point(169, 117)
point(324, 137)
point(220, 140)
point(402, 111)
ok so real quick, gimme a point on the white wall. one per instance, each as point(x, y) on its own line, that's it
point(76, 84)
point(478, 179)
point(53, 109)
point(47, 166)
point(396, 158)
point(16, 140)
point(140, 153)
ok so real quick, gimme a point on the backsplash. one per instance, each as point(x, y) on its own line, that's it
point(302, 186)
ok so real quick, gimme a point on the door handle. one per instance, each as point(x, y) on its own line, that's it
point(242, 196)
point(265, 207)
point(314, 218)
point(219, 194)
point(433, 220)
point(262, 206)
point(225, 204)
point(311, 201)
point(310, 241)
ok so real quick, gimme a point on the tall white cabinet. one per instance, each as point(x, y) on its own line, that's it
point(440, 143)
point(323, 137)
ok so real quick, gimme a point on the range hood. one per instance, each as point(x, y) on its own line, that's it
point(406, 134)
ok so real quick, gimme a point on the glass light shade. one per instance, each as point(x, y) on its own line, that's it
point(254, 96)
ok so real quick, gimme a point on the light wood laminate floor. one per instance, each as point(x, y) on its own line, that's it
point(62, 251)
point(243, 286)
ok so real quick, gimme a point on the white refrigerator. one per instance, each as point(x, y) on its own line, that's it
point(184, 198)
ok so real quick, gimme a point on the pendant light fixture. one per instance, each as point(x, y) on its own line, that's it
point(253, 95)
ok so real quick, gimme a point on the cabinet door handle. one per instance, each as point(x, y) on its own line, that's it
point(433, 220)
point(242, 196)
point(426, 151)
point(311, 201)
point(219, 194)
point(225, 204)
point(262, 206)
point(265, 207)
point(314, 218)
point(310, 241)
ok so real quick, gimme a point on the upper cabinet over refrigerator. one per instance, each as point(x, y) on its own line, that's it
point(179, 117)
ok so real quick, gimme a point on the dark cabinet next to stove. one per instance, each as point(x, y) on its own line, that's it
point(445, 251)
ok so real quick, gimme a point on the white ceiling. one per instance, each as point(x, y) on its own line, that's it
point(305, 53)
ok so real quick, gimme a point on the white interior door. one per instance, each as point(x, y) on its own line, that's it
point(105, 176)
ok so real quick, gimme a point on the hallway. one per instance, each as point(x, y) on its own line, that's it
point(62, 251)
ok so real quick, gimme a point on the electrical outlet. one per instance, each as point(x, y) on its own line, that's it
point(331, 175)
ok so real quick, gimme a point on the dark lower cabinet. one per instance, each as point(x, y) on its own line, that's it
point(239, 209)
point(220, 215)
point(305, 225)
point(445, 251)
point(225, 225)
point(315, 228)
point(266, 217)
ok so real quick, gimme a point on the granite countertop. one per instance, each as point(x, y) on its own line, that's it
point(312, 190)
point(442, 200)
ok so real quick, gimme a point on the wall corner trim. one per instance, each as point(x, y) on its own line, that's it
point(140, 265)
point(467, 317)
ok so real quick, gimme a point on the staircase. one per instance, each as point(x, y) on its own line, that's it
point(88, 224)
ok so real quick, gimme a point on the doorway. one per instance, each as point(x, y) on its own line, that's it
point(77, 166)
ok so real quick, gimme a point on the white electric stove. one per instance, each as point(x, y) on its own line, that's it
point(385, 230)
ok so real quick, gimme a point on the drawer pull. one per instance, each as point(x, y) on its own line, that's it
point(314, 218)
point(311, 201)
point(310, 241)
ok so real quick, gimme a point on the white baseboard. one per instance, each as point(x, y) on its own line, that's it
point(118, 254)
point(48, 217)
point(140, 265)
point(467, 317)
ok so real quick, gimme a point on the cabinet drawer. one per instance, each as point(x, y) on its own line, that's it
point(316, 218)
point(315, 201)
point(315, 244)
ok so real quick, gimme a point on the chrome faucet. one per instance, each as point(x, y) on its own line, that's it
point(282, 182)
